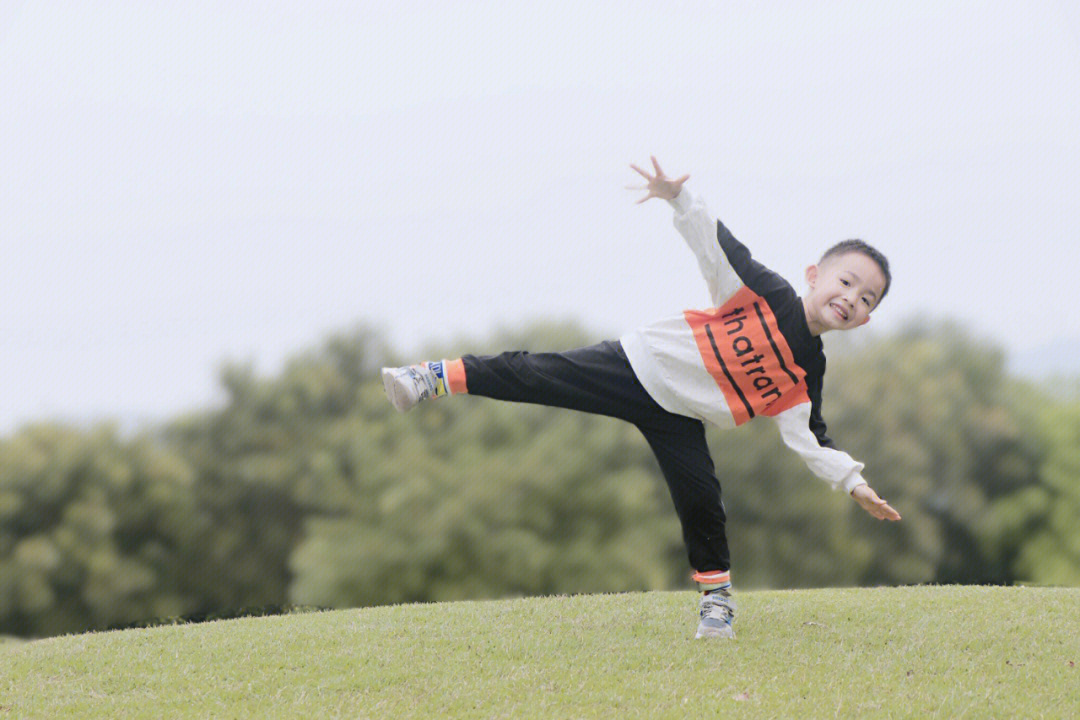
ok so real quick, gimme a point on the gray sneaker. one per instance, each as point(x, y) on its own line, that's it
point(717, 616)
point(406, 386)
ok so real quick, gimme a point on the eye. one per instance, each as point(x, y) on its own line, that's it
point(845, 283)
point(867, 301)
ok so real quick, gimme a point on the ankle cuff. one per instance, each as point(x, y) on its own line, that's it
point(712, 580)
point(455, 376)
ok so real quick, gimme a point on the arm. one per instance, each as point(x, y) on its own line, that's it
point(698, 228)
point(833, 466)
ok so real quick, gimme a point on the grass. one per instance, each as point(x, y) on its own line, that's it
point(902, 652)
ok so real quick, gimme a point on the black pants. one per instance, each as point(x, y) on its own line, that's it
point(598, 379)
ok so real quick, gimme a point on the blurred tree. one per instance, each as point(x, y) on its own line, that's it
point(471, 497)
point(1050, 552)
point(946, 437)
point(265, 461)
point(90, 526)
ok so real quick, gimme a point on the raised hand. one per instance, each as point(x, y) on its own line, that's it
point(659, 185)
point(871, 503)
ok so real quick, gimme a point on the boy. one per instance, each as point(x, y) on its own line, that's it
point(756, 352)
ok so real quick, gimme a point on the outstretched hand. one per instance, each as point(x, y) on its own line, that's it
point(659, 185)
point(871, 503)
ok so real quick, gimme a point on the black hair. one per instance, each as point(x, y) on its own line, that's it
point(869, 251)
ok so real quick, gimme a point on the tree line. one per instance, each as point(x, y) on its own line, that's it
point(307, 488)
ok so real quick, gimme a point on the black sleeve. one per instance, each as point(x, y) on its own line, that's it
point(750, 271)
point(775, 289)
point(817, 423)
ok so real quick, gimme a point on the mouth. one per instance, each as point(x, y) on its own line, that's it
point(841, 312)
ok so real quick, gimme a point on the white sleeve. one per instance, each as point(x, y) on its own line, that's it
point(833, 466)
point(698, 228)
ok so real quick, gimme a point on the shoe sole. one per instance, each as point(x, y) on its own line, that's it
point(396, 394)
point(729, 635)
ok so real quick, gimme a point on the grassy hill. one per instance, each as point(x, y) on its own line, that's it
point(902, 652)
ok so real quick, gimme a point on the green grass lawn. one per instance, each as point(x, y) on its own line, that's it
point(904, 652)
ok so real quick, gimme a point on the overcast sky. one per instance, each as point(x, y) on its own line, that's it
point(185, 183)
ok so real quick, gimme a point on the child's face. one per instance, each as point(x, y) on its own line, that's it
point(843, 290)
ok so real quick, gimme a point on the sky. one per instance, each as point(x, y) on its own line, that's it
point(186, 184)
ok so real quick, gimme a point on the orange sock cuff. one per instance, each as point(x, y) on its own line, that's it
point(455, 377)
point(712, 579)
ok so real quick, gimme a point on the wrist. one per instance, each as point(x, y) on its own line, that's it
point(681, 201)
point(854, 481)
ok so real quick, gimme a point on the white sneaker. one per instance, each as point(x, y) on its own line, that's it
point(406, 386)
point(717, 616)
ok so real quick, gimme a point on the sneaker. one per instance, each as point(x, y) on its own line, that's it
point(717, 616)
point(406, 386)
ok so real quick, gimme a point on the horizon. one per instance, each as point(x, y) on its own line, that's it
point(1052, 363)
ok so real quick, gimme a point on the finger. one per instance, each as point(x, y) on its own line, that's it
point(656, 165)
point(641, 172)
point(650, 195)
point(683, 179)
point(878, 508)
point(885, 511)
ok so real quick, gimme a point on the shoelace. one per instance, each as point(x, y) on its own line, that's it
point(710, 605)
point(425, 381)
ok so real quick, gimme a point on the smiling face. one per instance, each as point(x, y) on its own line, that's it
point(843, 290)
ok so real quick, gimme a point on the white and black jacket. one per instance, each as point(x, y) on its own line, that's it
point(751, 354)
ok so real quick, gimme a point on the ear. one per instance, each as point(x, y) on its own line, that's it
point(811, 275)
point(864, 321)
